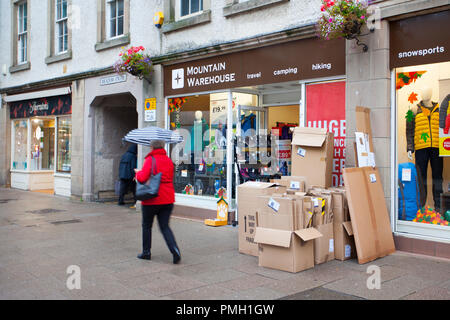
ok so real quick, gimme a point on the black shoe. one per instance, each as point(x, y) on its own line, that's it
point(176, 256)
point(121, 203)
point(144, 256)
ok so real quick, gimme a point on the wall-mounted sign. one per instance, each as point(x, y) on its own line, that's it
point(113, 79)
point(420, 40)
point(150, 110)
point(50, 106)
point(294, 60)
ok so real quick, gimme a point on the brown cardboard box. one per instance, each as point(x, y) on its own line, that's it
point(369, 214)
point(282, 244)
point(312, 155)
point(324, 246)
point(344, 242)
point(247, 200)
point(291, 251)
point(323, 222)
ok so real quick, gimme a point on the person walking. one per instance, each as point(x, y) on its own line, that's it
point(128, 164)
point(160, 206)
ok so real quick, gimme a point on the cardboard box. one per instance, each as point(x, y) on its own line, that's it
point(283, 243)
point(312, 155)
point(291, 251)
point(324, 246)
point(369, 214)
point(247, 199)
point(344, 242)
point(323, 222)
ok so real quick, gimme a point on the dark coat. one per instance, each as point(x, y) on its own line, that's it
point(128, 163)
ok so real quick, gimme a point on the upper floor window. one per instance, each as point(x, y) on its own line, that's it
point(189, 7)
point(62, 33)
point(22, 32)
point(116, 18)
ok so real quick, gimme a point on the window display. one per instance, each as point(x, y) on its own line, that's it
point(20, 147)
point(422, 94)
point(42, 144)
point(64, 145)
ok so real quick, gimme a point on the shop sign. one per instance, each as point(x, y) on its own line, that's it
point(150, 110)
point(50, 106)
point(420, 40)
point(290, 61)
point(113, 79)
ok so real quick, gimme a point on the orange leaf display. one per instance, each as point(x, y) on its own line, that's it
point(406, 78)
point(412, 97)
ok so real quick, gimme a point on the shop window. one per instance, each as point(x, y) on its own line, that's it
point(423, 140)
point(64, 139)
point(202, 124)
point(20, 137)
point(42, 144)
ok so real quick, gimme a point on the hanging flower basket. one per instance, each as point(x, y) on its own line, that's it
point(342, 19)
point(135, 62)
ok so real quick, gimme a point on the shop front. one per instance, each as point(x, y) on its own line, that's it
point(420, 94)
point(41, 130)
point(236, 112)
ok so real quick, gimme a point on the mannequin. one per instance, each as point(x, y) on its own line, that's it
point(197, 136)
point(422, 135)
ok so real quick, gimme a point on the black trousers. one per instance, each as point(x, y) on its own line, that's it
point(125, 186)
point(162, 212)
point(423, 156)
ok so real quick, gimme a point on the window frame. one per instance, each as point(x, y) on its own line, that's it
point(116, 18)
point(65, 28)
point(22, 32)
point(190, 14)
point(104, 41)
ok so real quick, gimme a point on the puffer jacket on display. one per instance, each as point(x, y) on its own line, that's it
point(423, 131)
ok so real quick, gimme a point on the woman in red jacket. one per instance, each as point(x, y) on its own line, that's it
point(160, 206)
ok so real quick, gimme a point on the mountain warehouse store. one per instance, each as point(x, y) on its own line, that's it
point(251, 94)
point(268, 90)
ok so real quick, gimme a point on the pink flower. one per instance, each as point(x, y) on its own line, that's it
point(331, 20)
point(363, 17)
point(322, 8)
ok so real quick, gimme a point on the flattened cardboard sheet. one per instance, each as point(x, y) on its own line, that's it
point(369, 214)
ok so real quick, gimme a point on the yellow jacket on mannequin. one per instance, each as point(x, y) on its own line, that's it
point(423, 131)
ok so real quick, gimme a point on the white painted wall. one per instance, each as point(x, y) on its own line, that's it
point(84, 58)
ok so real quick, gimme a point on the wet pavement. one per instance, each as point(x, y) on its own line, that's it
point(42, 235)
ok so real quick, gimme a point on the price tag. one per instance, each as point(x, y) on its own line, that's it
point(331, 246)
point(200, 167)
point(373, 177)
point(315, 202)
point(348, 251)
point(301, 152)
point(274, 205)
point(406, 174)
point(295, 185)
point(184, 173)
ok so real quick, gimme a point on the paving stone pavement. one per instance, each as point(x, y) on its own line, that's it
point(41, 235)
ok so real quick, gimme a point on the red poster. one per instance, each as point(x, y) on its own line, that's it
point(325, 108)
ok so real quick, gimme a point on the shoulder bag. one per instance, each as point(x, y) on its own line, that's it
point(149, 189)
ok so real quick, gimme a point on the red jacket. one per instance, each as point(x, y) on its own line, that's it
point(164, 164)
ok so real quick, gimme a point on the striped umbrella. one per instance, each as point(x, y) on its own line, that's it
point(145, 135)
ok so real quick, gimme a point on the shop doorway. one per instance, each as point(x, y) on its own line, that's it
point(114, 116)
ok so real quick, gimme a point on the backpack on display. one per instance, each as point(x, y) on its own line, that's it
point(409, 191)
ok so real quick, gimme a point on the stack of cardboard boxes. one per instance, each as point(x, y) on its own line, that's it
point(297, 221)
